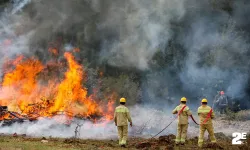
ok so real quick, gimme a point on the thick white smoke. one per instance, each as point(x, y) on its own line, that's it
point(146, 122)
point(52, 128)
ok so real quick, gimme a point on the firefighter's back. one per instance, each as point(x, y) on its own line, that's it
point(203, 114)
point(183, 117)
point(121, 114)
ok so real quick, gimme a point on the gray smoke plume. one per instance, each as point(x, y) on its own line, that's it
point(18, 5)
point(129, 32)
point(143, 28)
point(215, 55)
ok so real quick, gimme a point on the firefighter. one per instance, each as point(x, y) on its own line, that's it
point(206, 115)
point(121, 118)
point(182, 121)
point(221, 102)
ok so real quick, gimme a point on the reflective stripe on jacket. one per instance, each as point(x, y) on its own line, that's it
point(183, 117)
point(203, 112)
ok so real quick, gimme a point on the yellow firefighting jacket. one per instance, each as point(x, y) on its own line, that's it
point(122, 116)
point(203, 113)
point(183, 117)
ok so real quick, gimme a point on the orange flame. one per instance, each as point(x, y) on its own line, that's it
point(71, 91)
point(25, 92)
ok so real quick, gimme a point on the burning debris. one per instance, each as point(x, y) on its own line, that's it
point(26, 96)
point(9, 117)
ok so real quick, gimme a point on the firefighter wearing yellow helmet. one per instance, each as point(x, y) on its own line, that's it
point(183, 113)
point(206, 115)
point(121, 118)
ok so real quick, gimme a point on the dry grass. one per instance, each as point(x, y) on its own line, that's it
point(243, 115)
point(28, 143)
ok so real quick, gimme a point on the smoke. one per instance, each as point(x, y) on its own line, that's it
point(214, 56)
point(128, 32)
point(217, 57)
point(51, 128)
point(18, 5)
point(147, 122)
point(143, 28)
point(145, 125)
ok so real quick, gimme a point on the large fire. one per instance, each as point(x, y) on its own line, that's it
point(30, 91)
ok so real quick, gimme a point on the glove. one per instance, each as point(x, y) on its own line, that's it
point(131, 124)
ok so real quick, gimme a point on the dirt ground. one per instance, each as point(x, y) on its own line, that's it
point(22, 142)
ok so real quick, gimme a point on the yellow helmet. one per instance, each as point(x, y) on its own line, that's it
point(122, 100)
point(183, 99)
point(204, 100)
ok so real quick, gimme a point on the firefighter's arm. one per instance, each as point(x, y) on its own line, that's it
point(189, 113)
point(129, 118)
point(175, 111)
point(198, 111)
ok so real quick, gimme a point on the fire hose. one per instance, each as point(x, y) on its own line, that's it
point(170, 124)
point(173, 121)
point(194, 120)
point(208, 116)
point(164, 128)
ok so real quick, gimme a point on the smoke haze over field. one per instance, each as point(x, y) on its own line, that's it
point(147, 122)
point(50, 127)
